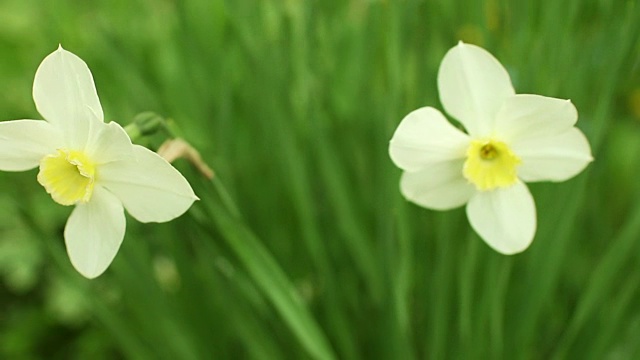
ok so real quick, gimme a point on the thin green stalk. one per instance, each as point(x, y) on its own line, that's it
point(118, 327)
point(466, 289)
point(267, 275)
point(622, 305)
point(602, 281)
point(498, 295)
point(442, 288)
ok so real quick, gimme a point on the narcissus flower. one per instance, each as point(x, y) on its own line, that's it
point(510, 139)
point(90, 164)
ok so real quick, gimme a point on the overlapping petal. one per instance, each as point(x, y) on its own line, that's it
point(530, 137)
point(23, 143)
point(94, 232)
point(553, 158)
point(504, 218)
point(90, 164)
point(440, 186)
point(532, 116)
point(109, 142)
point(65, 95)
point(425, 137)
point(149, 187)
point(473, 86)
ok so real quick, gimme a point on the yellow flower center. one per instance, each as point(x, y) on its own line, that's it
point(490, 164)
point(67, 175)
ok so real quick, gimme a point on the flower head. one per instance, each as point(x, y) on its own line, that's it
point(89, 164)
point(510, 139)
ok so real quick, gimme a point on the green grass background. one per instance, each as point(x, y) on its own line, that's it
point(293, 103)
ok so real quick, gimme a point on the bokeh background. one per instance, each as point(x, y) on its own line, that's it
point(303, 248)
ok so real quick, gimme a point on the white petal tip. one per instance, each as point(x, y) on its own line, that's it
point(89, 270)
point(509, 245)
point(504, 218)
point(510, 252)
point(88, 275)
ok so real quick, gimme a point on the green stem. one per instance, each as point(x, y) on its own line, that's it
point(225, 197)
point(266, 272)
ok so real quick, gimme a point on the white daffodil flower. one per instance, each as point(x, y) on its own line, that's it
point(90, 164)
point(511, 139)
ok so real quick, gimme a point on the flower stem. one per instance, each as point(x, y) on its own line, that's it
point(225, 197)
point(264, 269)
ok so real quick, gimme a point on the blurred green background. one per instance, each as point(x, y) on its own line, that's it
point(293, 103)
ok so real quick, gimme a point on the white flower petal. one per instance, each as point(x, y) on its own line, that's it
point(472, 86)
point(504, 218)
point(94, 233)
point(439, 186)
point(553, 158)
point(109, 142)
point(149, 187)
point(530, 116)
point(65, 95)
point(425, 137)
point(23, 143)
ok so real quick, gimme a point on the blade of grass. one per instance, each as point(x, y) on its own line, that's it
point(267, 275)
point(602, 281)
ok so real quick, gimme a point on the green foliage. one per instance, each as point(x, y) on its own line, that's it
point(310, 250)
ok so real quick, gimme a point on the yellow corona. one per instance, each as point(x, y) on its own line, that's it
point(68, 176)
point(490, 164)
